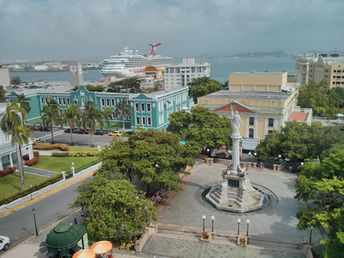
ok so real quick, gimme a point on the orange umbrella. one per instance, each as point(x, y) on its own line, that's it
point(84, 254)
point(101, 247)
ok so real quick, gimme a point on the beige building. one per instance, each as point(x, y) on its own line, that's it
point(263, 102)
point(321, 67)
point(4, 77)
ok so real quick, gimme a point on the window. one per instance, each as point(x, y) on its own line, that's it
point(64, 101)
point(137, 106)
point(142, 106)
point(251, 120)
point(148, 107)
point(271, 122)
point(251, 133)
point(143, 120)
point(103, 102)
point(137, 120)
point(59, 100)
point(107, 102)
point(113, 102)
point(67, 101)
point(149, 121)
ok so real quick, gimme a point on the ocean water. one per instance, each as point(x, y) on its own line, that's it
point(220, 69)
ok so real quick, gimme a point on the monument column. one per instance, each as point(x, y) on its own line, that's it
point(235, 142)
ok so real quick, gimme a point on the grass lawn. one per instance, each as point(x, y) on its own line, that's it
point(10, 184)
point(59, 164)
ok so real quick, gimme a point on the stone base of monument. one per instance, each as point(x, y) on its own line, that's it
point(241, 240)
point(236, 194)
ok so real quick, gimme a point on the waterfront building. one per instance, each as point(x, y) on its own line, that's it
point(8, 152)
point(4, 77)
point(75, 73)
point(264, 102)
point(321, 67)
point(180, 75)
point(148, 111)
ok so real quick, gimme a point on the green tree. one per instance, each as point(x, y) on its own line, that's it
point(51, 115)
point(203, 86)
point(128, 85)
point(107, 116)
point(123, 110)
point(12, 123)
point(2, 94)
point(16, 80)
point(152, 159)
point(201, 126)
point(24, 102)
point(115, 210)
point(72, 116)
point(90, 87)
point(91, 115)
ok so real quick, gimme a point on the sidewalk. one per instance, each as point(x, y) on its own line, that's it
point(47, 191)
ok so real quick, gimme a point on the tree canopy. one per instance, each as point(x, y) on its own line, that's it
point(202, 86)
point(299, 141)
point(323, 100)
point(128, 85)
point(90, 87)
point(16, 80)
point(201, 126)
point(153, 160)
point(115, 209)
point(321, 184)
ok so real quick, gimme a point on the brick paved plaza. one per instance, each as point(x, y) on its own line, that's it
point(276, 223)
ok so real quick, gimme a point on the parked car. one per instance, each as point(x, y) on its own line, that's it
point(115, 133)
point(99, 132)
point(4, 243)
point(74, 130)
point(83, 131)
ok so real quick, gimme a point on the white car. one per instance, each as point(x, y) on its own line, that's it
point(4, 243)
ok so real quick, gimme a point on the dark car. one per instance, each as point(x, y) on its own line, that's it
point(83, 131)
point(43, 128)
point(74, 130)
point(99, 132)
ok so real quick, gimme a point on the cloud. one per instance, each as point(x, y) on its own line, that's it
point(33, 29)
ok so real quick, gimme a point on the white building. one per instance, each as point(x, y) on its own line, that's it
point(75, 72)
point(8, 152)
point(4, 77)
point(180, 75)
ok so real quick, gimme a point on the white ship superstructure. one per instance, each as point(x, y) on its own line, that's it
point(130, 63)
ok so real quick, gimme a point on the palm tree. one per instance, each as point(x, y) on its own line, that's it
point(51, 115)
point(91, 115)
point(123, 110)
point(72, 116)
point(12, 123)
point(107, 116)
point(23, 101)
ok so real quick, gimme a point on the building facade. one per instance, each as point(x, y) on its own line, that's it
point(148, 111)
point(321, 67)
point(263, 104)
point(180, 75)
point(8, 152)
point(75, 74)
point(4, 77)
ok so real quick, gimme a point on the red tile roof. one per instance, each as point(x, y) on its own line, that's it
point(299, 116)
point(236, 107)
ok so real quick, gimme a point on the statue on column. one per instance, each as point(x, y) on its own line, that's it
point(235, 122)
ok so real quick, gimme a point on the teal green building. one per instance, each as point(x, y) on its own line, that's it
point(148, 111)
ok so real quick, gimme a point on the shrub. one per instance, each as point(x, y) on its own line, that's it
point(60, 154)
point(27, 157)
point(61, 147)
point(7, 171)
point(33, 161)
point(50, 181)
point(83, 154)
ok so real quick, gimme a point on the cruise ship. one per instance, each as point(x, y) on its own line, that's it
point(129, 63)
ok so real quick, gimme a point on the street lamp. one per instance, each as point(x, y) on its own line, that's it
point(247, 226)
point(34, 220)
point(239, 221)
point(212, 224)
point(203, 219)
point(249, 156)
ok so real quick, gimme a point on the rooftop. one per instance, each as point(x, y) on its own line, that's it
point(260, 95)
point(299, 116)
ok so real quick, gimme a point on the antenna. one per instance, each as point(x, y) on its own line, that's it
point(154, 46)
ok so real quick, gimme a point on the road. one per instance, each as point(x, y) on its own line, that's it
point(19, 225)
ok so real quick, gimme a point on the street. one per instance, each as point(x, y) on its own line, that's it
point(19, 225)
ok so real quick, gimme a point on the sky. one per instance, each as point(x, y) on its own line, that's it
point(77, 29)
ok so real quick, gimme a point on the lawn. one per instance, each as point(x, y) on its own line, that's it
point(59, 164)
point(10, 184)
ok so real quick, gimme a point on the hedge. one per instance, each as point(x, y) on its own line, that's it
point(7, 171)
point(61, 147)
point(34, 161)
point(16, 196)
point(60, 154)
point(83, 154)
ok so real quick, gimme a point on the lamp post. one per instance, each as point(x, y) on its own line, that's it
point(249, 156)
point(212, 224)
point(239, 221)
point(203, 219)
point(34, 220)
point(310, 234)
point(247, 226)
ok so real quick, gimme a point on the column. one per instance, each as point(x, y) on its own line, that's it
point(11, 161)
point(235, 154)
